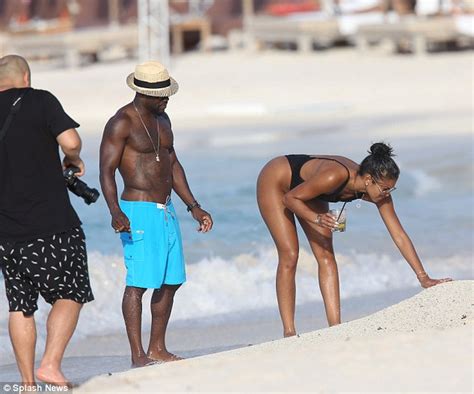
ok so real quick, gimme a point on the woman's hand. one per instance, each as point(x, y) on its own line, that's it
point(426, 281)
point(326, 220)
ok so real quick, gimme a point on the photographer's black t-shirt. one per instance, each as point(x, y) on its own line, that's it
point(34, 201)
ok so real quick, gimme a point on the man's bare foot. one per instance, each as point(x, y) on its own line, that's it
point(143, 361)
point(164, 356)
point(53, 376)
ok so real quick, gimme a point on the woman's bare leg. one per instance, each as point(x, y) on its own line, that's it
point(281, 224)
point(320, 240)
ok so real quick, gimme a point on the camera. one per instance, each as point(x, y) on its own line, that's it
point(78, 187)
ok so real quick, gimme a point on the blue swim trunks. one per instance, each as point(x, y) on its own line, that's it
point(153, 250)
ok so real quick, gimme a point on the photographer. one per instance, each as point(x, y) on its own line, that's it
point(42, 245)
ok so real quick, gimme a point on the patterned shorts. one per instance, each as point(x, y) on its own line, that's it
point(53, 266)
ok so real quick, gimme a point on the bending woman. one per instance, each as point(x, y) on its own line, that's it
point(302, 186)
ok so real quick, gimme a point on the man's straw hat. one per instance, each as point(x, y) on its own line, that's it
point(152, 79)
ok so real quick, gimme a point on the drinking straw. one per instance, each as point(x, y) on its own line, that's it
point(342, 209)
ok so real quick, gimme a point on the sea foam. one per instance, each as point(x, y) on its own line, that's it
point(217, 286)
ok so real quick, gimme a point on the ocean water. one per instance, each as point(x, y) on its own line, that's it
point(231, 270)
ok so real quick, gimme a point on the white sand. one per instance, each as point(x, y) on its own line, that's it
point(286, 88)
point(421, 344)
point(87, 357)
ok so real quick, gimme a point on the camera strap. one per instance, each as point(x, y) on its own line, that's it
point(13, 111)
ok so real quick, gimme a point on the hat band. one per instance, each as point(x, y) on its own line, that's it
point(152, 85)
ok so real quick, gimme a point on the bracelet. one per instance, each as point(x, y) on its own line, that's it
point(195, 204)
point(421, 274)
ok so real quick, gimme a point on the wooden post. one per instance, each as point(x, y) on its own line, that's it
point(114, 13)
point(420, 45)
point(177, 34)
point(248, 12)
point(249, 41)
point(304, 43)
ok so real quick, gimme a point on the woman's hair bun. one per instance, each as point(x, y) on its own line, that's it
point(379, 164)
point(380, 149)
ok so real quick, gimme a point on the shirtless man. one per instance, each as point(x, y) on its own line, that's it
point(138, 141)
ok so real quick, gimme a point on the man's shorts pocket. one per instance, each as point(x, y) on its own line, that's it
point(133, 245)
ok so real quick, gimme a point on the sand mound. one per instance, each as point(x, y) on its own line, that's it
point(444, 306)
point(421, 344)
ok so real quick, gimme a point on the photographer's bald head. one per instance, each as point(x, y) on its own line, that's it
point(14, 72)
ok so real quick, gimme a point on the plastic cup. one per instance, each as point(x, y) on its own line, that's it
point(341, 223)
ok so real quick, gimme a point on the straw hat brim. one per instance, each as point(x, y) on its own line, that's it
point(161, 92)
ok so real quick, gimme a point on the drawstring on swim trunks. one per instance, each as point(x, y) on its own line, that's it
point(165, 207)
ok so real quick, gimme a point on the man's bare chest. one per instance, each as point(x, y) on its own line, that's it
point(150, 136)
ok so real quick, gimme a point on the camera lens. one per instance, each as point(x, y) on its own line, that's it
point(80, 189)
point(90, 195)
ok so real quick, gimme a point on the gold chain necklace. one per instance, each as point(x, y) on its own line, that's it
point(157, 148)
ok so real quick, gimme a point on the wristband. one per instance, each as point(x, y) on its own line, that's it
point(195, 204)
